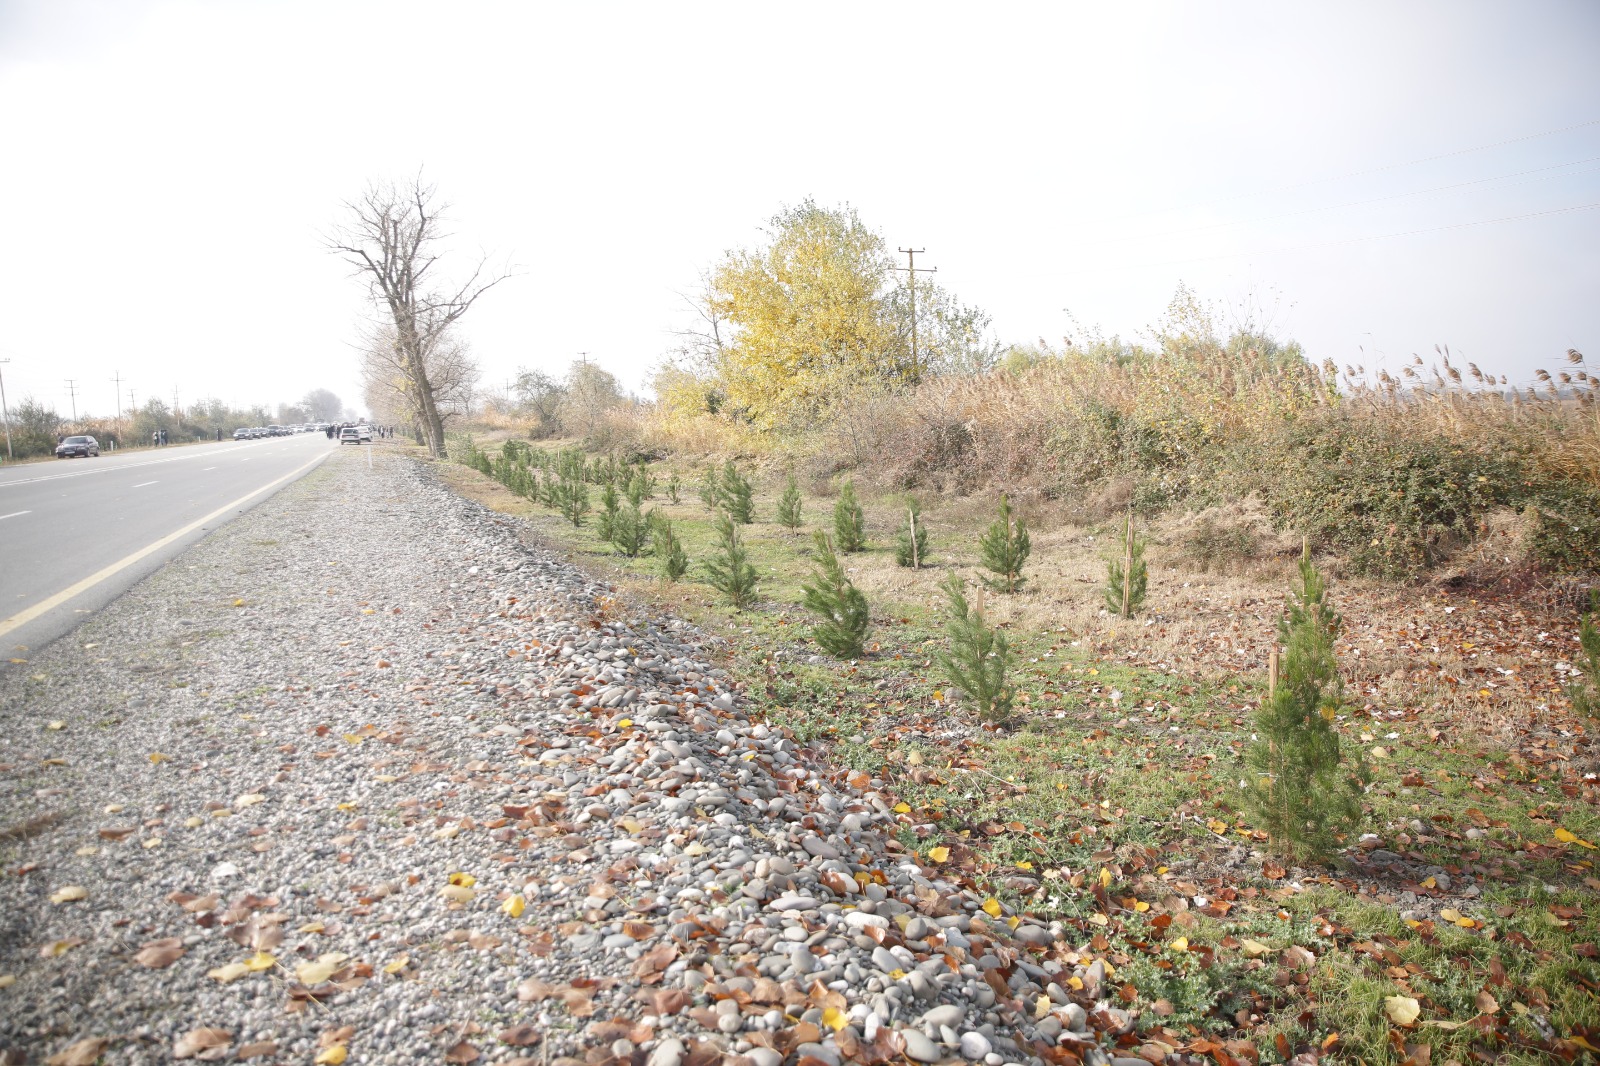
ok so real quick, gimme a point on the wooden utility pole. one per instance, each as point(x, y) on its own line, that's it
point(5, 414)
point(116, 388)
point(911, 270)
point(72, 394)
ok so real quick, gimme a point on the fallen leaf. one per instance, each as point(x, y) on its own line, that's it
point(159, 954)
point(331, 1056)
point(938, 854)
point(835, 1019)
point(229, 973)
point(397, 964)
point(83, 1053)
point(458, 893)
point(1253, 948)
point(464, 880)
point(258, 1050)
point(514, 906)
point(991, 907)
point(1402, 1010)
point(158, 758)
point(523, 1035)
point(199, 1042)
point(249, 799)
point(69, 894)
point(315, 973)
point(261, 960)
point(463, 1053)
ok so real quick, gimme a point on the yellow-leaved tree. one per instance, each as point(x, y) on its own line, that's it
point(809, 315)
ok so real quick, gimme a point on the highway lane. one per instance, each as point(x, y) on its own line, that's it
point(76, 533)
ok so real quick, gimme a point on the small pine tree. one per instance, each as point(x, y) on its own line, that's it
point(842, 632)
point(729, 570)
point(638, 489)
point(668, 549)
point(738, 496)
point(789, 505)
point(1299, 787)
point(674, 487)
point(1585, 689)
point(1126, 574)
point(979, 656)
point(849, 521)
point(630, 531)
point(610, 504)
point(573, 500)
point(911, 545)
point(711, 489)
point(1004, 548)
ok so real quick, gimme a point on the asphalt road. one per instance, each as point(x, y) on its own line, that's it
point(76, 533)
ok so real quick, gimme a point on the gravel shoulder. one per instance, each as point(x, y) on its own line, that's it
point(367, 777)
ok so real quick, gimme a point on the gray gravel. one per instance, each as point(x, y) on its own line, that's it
point(263, 766)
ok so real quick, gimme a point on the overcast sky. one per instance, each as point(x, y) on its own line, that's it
point(167, 170)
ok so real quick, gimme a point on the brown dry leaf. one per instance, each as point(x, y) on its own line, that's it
point(159, 954)
point(534, 990)
point(655, 960)
point(258, 1049)
point(202, 904)
point(463, 1053)
point(204, 1043)
point(229, 973)
point(1486, 1003)
point(83, 1053)
point(69, 894)
point(520, 1035)
point(667, 1001)
point(315, 973)
point(116, 832)
point(340, 1035)
point(1402, 1010)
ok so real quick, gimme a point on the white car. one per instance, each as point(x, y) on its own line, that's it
point(365, 434)
point(349, 435)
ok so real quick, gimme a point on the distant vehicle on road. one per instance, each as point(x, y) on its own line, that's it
point(366, 434)
point(84, 446)
point(349, 435)
point(241, 434)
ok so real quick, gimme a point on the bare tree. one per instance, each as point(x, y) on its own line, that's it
point(391, 240)
point(391, 391)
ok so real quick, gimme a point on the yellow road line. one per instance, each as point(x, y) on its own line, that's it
point(27, 615)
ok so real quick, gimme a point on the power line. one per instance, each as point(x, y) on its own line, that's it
point(1372, 170)
point(1332, 244)
point(72, 392)
point(116, 384)
point(911, 281)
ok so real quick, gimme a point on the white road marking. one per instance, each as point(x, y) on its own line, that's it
point(142, 484)
point(13, 514)
point(204, 469)
point(96, 469)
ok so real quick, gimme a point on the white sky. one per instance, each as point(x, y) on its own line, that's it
point(167, 168)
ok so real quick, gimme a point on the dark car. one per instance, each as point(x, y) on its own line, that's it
point(84, 446)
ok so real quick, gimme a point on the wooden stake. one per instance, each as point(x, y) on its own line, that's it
point(980, 603)
point(916, 563)
point(1272, 673)
point(1127, 567)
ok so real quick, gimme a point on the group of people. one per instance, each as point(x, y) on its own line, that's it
point(158, 438)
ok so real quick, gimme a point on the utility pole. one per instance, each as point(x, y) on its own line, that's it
point(585, 357)
point(116, 383)
point(72, 393)
point(911, 269)
point(5, 414)
point(177, 412)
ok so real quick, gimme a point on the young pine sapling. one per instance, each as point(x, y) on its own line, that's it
point(1127, 576)
point(849, 521)
point(1004, 549)
point(842, 631)
point(911, 543)
point(979, 657)
point(729, 570)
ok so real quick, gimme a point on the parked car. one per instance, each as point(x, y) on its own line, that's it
point(366, 434)
point(241, 434)
point(349, 435)
point(84, 446)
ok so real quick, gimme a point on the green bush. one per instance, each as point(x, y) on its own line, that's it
point(911, 543)
point(849, 521)
point(1299, 787)
point(842, 632)
point(1565, 533)
point(1392, 503)
point(1004, 548)
point(789, 505)
point(1585, 688)
point(729, 570)
point(979, 657)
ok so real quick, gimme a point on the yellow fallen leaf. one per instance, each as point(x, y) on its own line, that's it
point(1429, 882)
point(1253, 948)
point(56, 725)
point(1075, 983)
point(457, 893)
point(991, 907)
point(902, 808)
point(386, 779)
point(194, 821)
point(464, 880)
point(238, 603)
point(1099, 919)
point(229, 973)
point(353, 738)
point(513, 906)
point(314, 973)
point(114, 808)
point(915, 758)
point(261, 960)
point(1380, 752)
point(153, 842)
point(1105, 877)
point(1041, 1007)
point(397, 964)
point(625, 723)
point(1567, 836)
point(1402, 1010)
point(222, 812)
point(1024, 865)
point(312, 927)
point(896, 974)
point(1450, 914)
point(331, 1056)
point(1140, 906)
point(157, 757)
point(7, 980)
point(835, 1019)
point(695, 849)
point(249, 799)
point(1180, 944)
point(939, 854)
point(1466, 923)
point(69, 894)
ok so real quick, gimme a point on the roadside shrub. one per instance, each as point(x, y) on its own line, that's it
point(1393, 504)
point(789, 504)
point(911, 543)
point(849, 521)
point(1216, 544)
point(979, 657)
point(1299, 787)
point(738, 496)
point(1565, 533)
point(1126, 574)
point(668, 549)
point(729, 570)
point(842, 632)
point(1004, 549)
